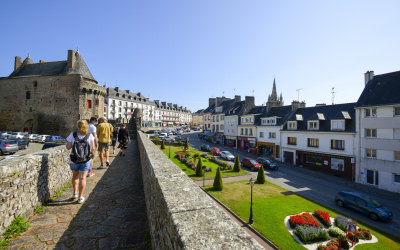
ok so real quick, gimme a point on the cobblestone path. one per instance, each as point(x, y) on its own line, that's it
point(112, 217)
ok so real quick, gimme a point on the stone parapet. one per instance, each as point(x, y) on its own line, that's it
point(30, 180)
point(180, 214)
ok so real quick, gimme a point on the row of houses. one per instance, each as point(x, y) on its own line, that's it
point(359, 141)
point(121, 104)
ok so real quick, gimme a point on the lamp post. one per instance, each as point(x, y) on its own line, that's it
point(169, 150)
point(204, 174)
point(251, 201)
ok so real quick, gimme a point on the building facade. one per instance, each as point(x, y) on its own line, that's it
point(49, 97)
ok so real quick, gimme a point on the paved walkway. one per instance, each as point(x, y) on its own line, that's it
point(112, 217)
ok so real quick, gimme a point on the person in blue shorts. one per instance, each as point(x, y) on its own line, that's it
point(79, 171)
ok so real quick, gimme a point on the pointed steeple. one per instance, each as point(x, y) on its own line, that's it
point(28, 60)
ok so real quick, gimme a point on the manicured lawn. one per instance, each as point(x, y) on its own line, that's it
point(271, 204)
point(205, 162)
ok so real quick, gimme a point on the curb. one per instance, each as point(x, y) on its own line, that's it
point(244, 223)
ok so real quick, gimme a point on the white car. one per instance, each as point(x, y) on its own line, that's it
point(227, 155)
point(41, 138)
point(17, 135)
point(32, 137)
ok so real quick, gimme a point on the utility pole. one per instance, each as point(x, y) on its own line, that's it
point(298, 94)
point(333, 95)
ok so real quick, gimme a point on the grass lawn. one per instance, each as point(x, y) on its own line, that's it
point(271, 204)
point(191, 173)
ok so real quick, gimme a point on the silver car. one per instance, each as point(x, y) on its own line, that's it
point(7, 146)
point(227, 155)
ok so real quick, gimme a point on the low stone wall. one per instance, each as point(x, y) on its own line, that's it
point(180, 214)
point(30, 180)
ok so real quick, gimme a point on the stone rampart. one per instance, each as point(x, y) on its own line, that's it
point(180, 214)
point(30, 180)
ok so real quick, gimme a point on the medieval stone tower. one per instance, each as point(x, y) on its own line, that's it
point(273, 100)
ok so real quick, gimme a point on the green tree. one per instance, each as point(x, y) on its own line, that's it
point(199, 168)
point(261, 175)
point(218, 185)
point(186, 146)
point(162, 144)
point(236, 168)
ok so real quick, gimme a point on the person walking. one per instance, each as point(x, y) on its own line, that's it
point(82, 144)
point(123, 139)
point(114, 138)
point(92, 130)
point(104, 132)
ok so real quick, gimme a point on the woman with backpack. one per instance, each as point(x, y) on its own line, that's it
point(82, 144)
point(123, 138)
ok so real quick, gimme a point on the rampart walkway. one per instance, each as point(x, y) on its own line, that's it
point(113, 215)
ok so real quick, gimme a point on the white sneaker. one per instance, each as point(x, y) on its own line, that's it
point(75, 195)
point(81, 199)
point(114, 152)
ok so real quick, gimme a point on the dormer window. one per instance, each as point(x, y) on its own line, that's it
point(292, 125)
point(370, 112)
point(337, 125)
point(313, 125)
point(218, 109)
point(117, 94)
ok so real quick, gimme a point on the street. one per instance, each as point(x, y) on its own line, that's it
point(320, 188)
point(32, 148)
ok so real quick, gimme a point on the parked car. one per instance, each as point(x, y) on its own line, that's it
point(32, 137)
point(54, 138)
point(250, 163)
point(267, 163)
point(215, 151)
point(150, 132)
point(22, 143)
point(363, 204)
point(168, 139)
point(205, 147)
point(227, 155)
point(17, 135)
point(8, 146)
point(5, 134)
point(41, 138)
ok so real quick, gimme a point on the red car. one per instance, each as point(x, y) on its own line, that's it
point(215, 151)
point(252, 164)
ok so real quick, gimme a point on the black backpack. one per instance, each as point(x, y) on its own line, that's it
point(81, 152)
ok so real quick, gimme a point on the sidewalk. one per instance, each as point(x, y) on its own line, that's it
point(113, 215)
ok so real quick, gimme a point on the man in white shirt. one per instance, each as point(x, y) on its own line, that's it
point(92, 130)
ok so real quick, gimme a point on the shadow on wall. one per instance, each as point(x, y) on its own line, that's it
point(43, 189)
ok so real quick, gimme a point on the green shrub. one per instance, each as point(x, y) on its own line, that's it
point(310, 234)
point(218, 185)
point(236, 168)
point(261, 175)
point(336, 232)
point(163, 144)
point(341, 222)
point(18, 226)
point(364, 234)
point(199, 169)
point(343, 242)
point(186, 146)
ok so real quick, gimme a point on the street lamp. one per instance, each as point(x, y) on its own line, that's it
point(169, 150)
point(204, 174)
point(251, 202)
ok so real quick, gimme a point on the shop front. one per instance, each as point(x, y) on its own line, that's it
point(266, 149)
point(337, 165)
point(231, 141)
point(248, 144)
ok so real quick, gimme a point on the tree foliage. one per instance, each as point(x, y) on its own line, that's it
point(261, 175)
point(236, 168)
point(199, 168)
point(186, 146)
point(162, 144)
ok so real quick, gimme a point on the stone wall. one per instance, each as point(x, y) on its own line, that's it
point(30, 180)
point(180, 214)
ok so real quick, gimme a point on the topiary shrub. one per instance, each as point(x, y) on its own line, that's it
point(186, 145)
point(218, 185)
point(261, 175)
point(236, 168)
point(199, 169)
point(163, 144)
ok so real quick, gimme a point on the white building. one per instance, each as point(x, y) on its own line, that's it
point(378, 132)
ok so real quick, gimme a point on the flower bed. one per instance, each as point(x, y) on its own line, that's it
point(335, 244)
point(336, 232)
point(323, 217)
point(303, 219)
point(311, 234)
point(341, 222)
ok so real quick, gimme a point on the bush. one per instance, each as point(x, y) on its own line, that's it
point(310, 234)
point(323, 217)
point(218, 185)
point(204, 155)
point(341, 222)
point(333, 244)
point(336, 232)
point(261, 175)
point(196, 155)
point(199, 169)
point(162, 144)
point(364, 234)
point(186, 146)
point(343, 242)
point(236, 168)
point(303, 219)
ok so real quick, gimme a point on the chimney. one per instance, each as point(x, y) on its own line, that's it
point(116, 89)
point(237, 98)
point(368, 76)
point(249, 100)
point(71, 59)
point(17, 63)
point(296, 105)
point(211, 101)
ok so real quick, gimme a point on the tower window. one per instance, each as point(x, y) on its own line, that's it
point(28, 95)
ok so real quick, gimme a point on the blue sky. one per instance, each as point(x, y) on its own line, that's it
point(188, 51)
